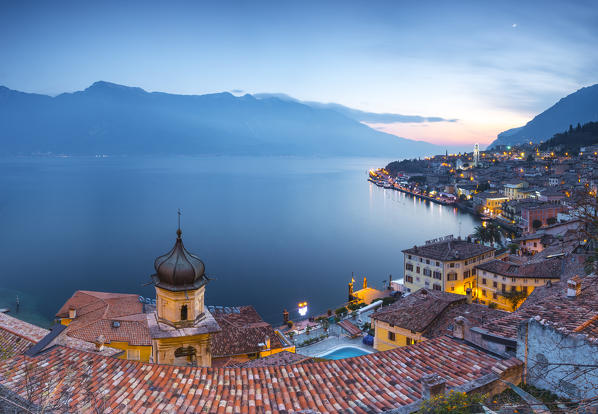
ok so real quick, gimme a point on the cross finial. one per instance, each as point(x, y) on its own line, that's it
point(179, 232)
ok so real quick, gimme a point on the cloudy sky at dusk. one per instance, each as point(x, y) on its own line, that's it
point(491, 65)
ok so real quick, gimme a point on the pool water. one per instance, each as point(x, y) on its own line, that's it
point(345, 352)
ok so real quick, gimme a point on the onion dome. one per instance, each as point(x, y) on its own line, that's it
point(178, 269)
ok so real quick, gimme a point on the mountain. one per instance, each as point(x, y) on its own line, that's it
point(107, 118)
point(574, 138)
point(579, 107)
point(356, 114)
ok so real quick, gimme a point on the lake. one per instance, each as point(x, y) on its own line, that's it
point(271, 231)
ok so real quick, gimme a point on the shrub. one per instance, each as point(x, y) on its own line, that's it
point(353, 306)
point(453, 402)
point(551, 220)
point(492, 305)
point(388, 300)
point(536, 224)
point(290, 324)
point(341, 311)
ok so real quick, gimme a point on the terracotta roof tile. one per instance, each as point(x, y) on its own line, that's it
point(369, 383)
point(546, 269)
point(96, 312)
point(242, 330)
point(417, 310)
point(577, 314)
point(449, 250)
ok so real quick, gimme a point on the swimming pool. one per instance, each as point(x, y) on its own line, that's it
point(345, 352)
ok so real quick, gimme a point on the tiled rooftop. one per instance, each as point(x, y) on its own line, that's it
point(418, 310)
point(16, 336)
point(366, 384)
point(449, 250)
point(552, 304)
point(546, 269)
point(96, 312)
point(241, 332)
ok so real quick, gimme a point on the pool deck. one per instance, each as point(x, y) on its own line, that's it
point(331, 344)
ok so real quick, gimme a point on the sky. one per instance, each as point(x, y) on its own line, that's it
point(490, 65)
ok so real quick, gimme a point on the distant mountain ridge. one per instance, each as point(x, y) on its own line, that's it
point(108, 118)
point(356, 114)
point(578, 107)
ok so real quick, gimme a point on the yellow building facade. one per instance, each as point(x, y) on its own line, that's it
point(506, 285)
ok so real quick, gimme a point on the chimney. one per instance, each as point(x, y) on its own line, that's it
point(432, 386)
point(100, 341)
point(468, 294)
point(72, 313)
point(459, 331)
point(573, 287)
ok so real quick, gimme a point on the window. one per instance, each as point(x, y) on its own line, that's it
point(417, 269)
point(409, 257)
point(535, 280)
point(466, 274)
point(184, 312)
point(451, 276)
point(427, 272)
point(513, 280)
point(504, 288)
point(410, 341)
point(437, 263)
point(466, 262)
point(427, 284)
point(473, 271)
point(513, 288)
point(436, 286)
point(409, 267)
point(409, 279)
point(437, 275)
point(452, 265)
point(494, 295)
point(452, 288)
point(483, 281)
point(427, 261)
point(133, 354)
point(494, 285)
point(421, 260)
point(484, 292)
point(391, 336)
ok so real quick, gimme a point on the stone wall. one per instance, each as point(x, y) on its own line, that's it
point(558, 360)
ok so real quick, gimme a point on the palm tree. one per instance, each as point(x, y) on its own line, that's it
point(490, 233)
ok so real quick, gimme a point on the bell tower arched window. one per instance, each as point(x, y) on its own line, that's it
point(184, 312)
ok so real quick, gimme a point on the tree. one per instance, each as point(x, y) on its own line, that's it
point(536, 224)
point(325, 324)
point(551, 220)
point(490, 233)
point(515, 298)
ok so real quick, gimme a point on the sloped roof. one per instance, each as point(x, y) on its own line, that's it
point(577, 314)
point(242, 330)
point(546, 269)
point(418, 310)
point(370, 383)
point(16, 336)
point(96, 312)
point(449, 250)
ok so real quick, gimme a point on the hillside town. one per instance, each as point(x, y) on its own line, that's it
point(504, 319)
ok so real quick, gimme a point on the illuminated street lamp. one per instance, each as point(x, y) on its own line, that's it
point(302, 308)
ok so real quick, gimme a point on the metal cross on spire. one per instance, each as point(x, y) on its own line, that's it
point(179, 232)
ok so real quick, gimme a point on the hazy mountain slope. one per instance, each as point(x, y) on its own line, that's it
point(579, 107)
point(113, 119)
point(356, 114)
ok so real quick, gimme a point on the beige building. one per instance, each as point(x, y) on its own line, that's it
point(445, 265)
point(506, 284)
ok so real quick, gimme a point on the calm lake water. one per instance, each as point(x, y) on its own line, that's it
point(271, 231)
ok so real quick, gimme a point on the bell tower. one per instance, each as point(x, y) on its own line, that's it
point(181, 325)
